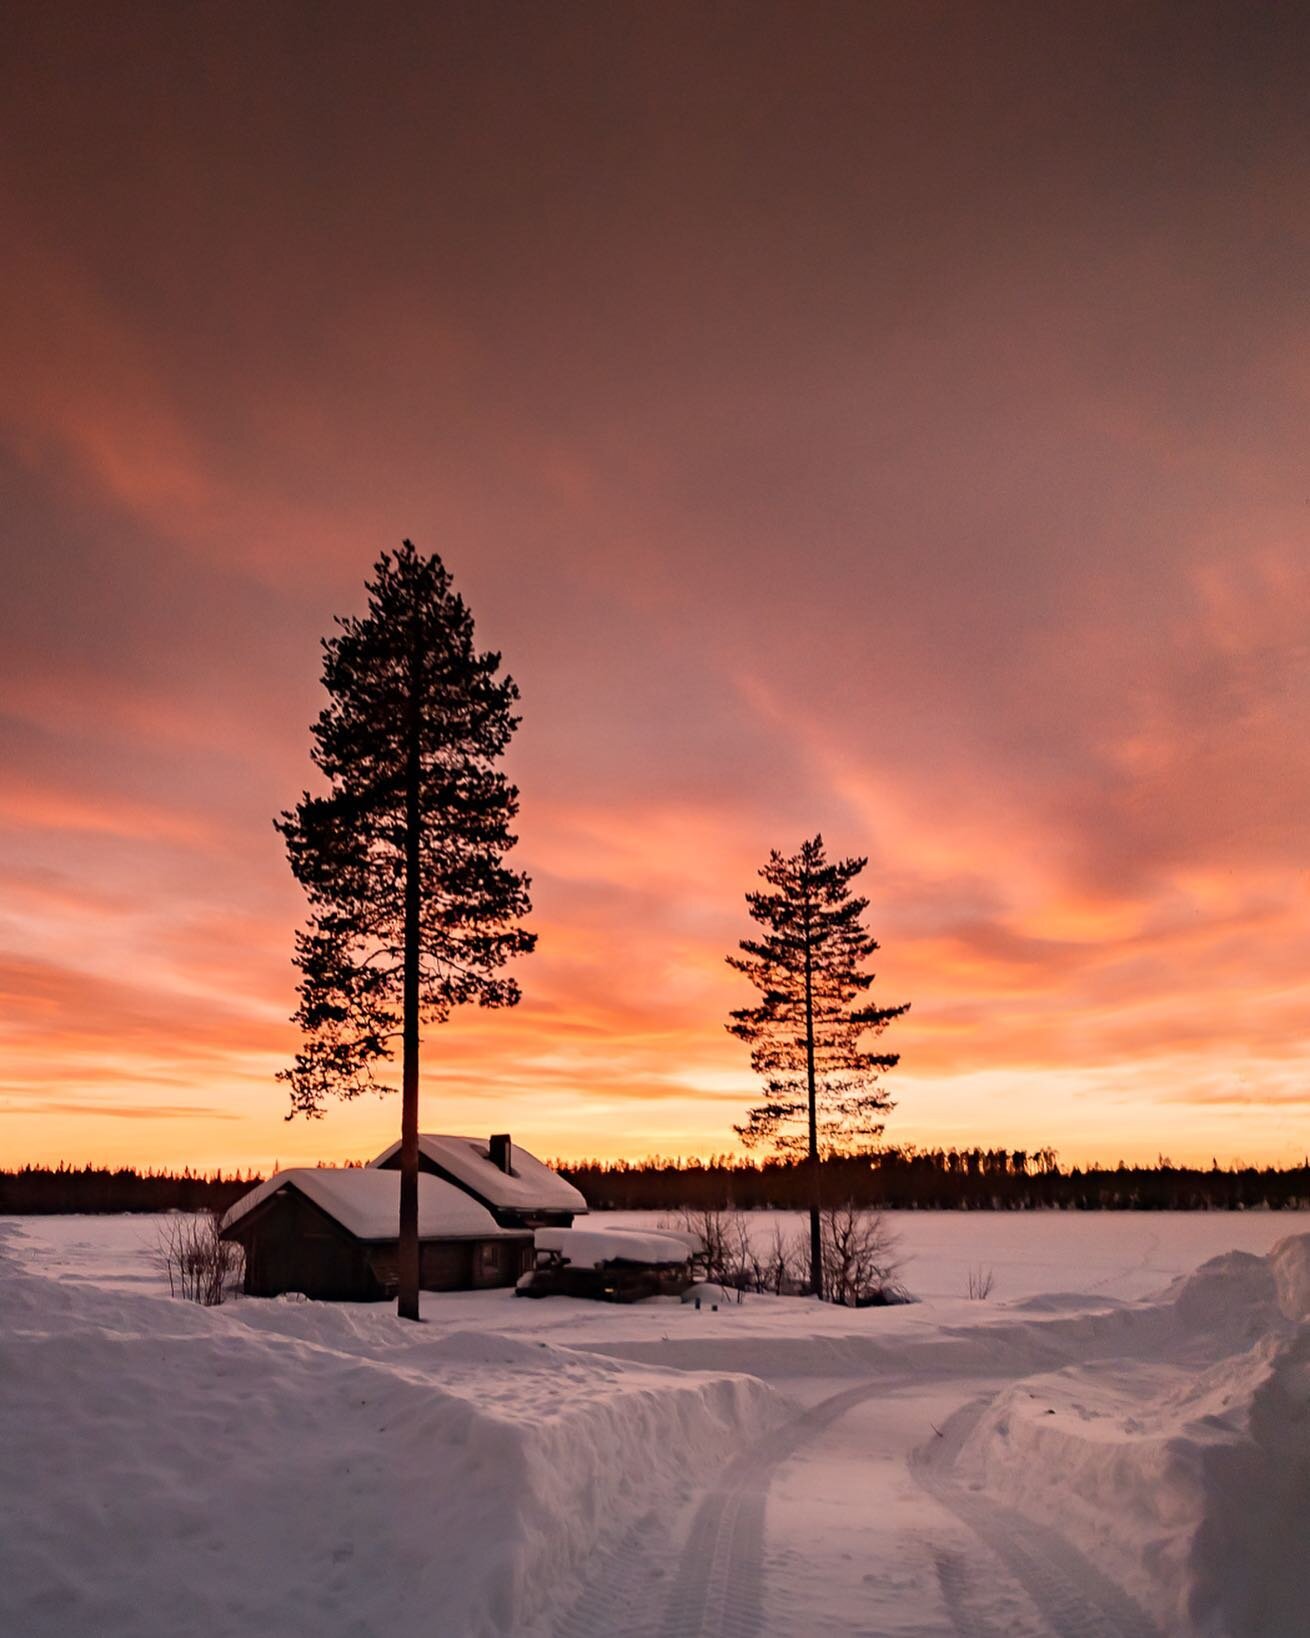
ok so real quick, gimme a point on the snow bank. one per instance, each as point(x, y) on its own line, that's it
point(1189, 1475)
point(299, 1469)
point(1289, 1263)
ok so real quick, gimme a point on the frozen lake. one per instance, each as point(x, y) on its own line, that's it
point(1116, 1254)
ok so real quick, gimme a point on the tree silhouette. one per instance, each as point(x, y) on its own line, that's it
point(412, 909)
point(808, 1030)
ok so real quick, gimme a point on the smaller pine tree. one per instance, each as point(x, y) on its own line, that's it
point(808, 1032)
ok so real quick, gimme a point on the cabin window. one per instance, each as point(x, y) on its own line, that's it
point(491, 1257)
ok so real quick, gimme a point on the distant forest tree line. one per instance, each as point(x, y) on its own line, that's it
point(893, 1179)
point(910, 1179)
point(28, 1190)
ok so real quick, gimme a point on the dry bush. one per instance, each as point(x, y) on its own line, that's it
point(731, 1259)
point(860, 1265)
point(200, 1267)
point(781, 1268)
point(722, 1236)
point(981, 1281)
point(712, 1229)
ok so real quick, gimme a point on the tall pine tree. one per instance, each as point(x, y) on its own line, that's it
point(412, 908)
point(809, 1029)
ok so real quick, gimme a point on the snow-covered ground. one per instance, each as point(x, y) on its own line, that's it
point(1113, 1444)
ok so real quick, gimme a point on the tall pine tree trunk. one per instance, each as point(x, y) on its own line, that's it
point(816, 1238)
point(408, 1252)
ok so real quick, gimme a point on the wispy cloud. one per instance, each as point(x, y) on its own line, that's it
point(119, 1111)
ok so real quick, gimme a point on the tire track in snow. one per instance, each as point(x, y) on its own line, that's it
point(953, 1580)
point(718, 1591)
point(1073, 1596)
point(717, 1588)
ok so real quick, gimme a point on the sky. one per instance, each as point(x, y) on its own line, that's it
point(882, 420)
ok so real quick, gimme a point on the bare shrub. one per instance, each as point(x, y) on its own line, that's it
point(861, 1268)
point(200, 1267)
point(722, 1237)
point(780, 1269)
point(730, 1258)
point(736, 1253)
point(860, 1265)
point(981, 1281)
point(711, 1228)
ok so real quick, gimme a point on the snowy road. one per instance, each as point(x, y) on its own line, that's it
point(849, 1522)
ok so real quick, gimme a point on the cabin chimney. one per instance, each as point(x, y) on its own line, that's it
point(500, 1148)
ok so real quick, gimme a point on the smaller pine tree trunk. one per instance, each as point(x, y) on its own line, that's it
point(407, 1250)
point(816, 1239)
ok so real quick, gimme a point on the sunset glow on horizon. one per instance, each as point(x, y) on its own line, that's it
point(893, 429)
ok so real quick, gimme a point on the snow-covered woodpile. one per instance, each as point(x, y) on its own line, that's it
point(610, 1264)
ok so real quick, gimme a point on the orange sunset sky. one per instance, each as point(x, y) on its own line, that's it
point(886, 420)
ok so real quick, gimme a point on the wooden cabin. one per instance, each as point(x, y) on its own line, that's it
point(332, 1234)
point(518, 1190)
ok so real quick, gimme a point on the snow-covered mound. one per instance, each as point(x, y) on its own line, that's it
point(1187, 1469)
point(1289, 1262)
point(311, 1469)
point(592, 1247)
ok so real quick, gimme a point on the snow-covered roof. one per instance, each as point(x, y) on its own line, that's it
point(527, 1186)
point(590, 1247)
point(367, 1203)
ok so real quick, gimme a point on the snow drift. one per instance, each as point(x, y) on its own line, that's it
point(1187, 1468)
point(294, 1468)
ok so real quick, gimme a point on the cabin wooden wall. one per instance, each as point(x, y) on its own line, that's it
point(446, 1265)
point(292, 1246)
point(499, 1262)
point(458, 1265)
